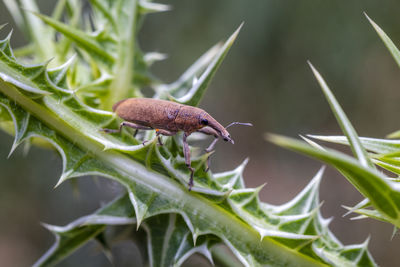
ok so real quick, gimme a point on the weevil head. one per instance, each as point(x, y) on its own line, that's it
point(207, 120)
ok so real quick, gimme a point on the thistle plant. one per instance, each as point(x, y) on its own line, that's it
point(371, 156)
point(59, 91)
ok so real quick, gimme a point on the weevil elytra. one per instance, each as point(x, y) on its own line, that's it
point(168, 118)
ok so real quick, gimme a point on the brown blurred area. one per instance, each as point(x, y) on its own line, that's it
point(264, 80)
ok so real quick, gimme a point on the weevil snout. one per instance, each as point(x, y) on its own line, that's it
point(228, 138)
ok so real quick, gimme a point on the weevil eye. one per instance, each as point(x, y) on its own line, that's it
point(204, 121)
point(226, 139)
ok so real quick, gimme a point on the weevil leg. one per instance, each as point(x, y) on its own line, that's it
point(186, 153)
point(163, 132)
point(132, 125)
point(209, 131)
point(160, 141)
point(110, 130)
point(211, 146)
point(158, 133)
point(208, 150)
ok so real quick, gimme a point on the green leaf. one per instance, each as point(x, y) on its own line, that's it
point(186, 80)
point(146, 6)
point(393, 135)
point(357, 254)
point(386, 40)
point(385, 152)
point(383, 195)
point(90, 43)
point(376, 145)
point(344, 122)
point(76, 234)
point(194, 95)
point(170, 242)
point(384, 155)
point(365, 213)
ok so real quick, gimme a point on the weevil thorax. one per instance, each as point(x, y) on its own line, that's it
point(207, 120)
point(188, 119)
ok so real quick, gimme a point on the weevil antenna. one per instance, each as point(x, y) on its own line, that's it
point(239, 123)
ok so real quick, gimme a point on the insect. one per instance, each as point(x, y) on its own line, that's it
point(168, 118)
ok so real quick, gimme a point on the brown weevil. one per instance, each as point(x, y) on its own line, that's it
point(168, 118)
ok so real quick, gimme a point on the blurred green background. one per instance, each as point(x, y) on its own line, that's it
point(264, 80)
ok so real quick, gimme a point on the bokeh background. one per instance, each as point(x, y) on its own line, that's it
point(264, 80)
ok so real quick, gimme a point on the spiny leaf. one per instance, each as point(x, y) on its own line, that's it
point(232, 179)
point(195, 94)
point(384, 195)
point(296, 223)
point(20, 119)
point(376, 145)
point(393, 135)
point(344, 122)
point(77, 233)
point(11, 76)
point(358, 255)
point(171, 242)
point(386, 40)
point(146, 6)
point(365, 213)
point(386, 152)
point(305, 201)
point(362, 204)
point(185, 81)
point(89, 42)
point(390, 165)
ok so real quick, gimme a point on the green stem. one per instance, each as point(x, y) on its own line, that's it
point(222, 257)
